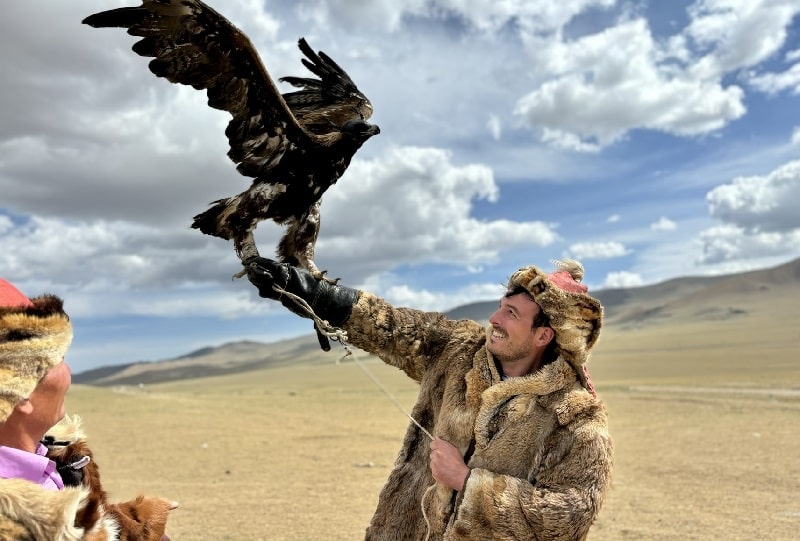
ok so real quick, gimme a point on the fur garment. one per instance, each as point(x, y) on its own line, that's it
point(29, 512)
point(538, 446)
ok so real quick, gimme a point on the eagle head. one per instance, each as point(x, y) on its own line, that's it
point(359, 129)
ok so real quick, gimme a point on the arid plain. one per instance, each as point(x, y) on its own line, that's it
point(702, 387)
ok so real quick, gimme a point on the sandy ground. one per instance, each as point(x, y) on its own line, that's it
point(300, 453)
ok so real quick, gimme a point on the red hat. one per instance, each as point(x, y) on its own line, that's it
point(11, 296)
point(34, 336)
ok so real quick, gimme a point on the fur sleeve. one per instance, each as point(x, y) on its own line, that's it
point(403, 337)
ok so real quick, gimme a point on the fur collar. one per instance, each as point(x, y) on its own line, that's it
point(32, 512)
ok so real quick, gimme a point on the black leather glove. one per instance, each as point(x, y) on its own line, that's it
point(330, 302)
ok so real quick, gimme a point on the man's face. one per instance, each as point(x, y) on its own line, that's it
point(513, 337)
point(48, 397)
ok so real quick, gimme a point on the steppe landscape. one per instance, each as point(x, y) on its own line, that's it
point(283, 442)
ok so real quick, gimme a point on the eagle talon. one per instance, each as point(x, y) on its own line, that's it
point(320, 275)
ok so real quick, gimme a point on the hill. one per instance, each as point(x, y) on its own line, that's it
point(228, 358)
point(680, 300)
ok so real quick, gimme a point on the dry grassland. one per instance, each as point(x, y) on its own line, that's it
point(705, 416)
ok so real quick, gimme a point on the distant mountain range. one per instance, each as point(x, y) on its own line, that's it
point(711, 297)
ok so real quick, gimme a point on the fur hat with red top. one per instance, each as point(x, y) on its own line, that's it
point(34, 336)
point(574, 315)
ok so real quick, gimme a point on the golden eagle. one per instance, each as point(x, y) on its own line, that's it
point(294, 145)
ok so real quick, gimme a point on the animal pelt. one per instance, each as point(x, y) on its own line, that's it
point(29, 512)
point(66, 444)
point(141, 519)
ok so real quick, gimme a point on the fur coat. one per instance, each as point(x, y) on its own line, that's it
point(538, 446)
point(29, 512)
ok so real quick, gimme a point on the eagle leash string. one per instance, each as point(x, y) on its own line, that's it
point(340, 335)
point(384, 389)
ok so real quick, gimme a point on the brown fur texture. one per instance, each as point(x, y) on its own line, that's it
point(33, 339)
point(542, 456)
point(142, 519)
point(71, 447)
point(29, 512)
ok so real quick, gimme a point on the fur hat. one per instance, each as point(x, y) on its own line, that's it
point(34, 336)
point(574, 315)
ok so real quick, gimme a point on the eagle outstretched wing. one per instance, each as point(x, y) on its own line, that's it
point(294, 146)
point(333, 97)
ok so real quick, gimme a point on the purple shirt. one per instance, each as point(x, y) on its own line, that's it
point(35, 467)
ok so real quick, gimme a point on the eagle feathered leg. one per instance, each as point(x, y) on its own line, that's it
point(245, 247)
point(297, 245)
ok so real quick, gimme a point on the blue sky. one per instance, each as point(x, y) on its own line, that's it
point(650, 140)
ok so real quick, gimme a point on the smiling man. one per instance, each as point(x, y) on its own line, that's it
point(520, 334)
point(521, 448)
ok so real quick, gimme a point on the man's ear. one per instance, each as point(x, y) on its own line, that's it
point(545, 335)
point(25, 407)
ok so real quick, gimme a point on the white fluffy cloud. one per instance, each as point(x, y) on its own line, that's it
point(760, 203)
point(734, 34)
point(416, 204)
point(119, 255)
point(596, 250)
point(483, 15)
point(729, 243)
point(758, 216)
point(604, 85)
point(411, 204)
point(622, 279)
point(403, 295)
point(663, 224)
point(772, 83)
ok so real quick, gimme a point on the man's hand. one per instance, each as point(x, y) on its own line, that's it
point(447, 465)
point(328, 301)
point(264, 273)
